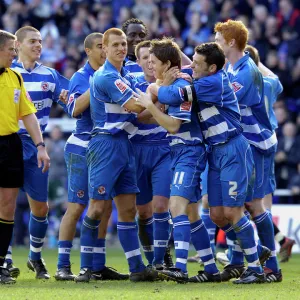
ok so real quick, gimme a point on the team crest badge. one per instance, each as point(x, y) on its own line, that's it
point(80, 194)
point(45, 86)
point(101, 190)
point(237, 86)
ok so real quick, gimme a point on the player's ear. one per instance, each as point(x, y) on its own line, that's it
point(231, 43)
point(212, 68)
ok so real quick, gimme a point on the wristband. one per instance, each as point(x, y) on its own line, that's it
point(40, 144)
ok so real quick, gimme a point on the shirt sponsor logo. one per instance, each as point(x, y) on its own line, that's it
point(237, 86)
point(45, 86)
point(186, 106)
point(122, 87)
point(38, 104)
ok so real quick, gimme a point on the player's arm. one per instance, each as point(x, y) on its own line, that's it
point(61, 83)
point(81, 103)
point(171, 124)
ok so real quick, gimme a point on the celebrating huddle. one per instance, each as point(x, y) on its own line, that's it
point(149, 122)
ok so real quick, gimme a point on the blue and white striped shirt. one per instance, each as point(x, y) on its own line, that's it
point(218, 107)
point(44, 86)
point(79, 84)
point(110, 90)
point(132, 67)
point(147, 133)
point(189, 132)
point(273, 88)
point(248, 86)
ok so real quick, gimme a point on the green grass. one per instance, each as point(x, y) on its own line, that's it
point(27, 287)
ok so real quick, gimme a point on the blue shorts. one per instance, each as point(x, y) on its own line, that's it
point(204, 181)
point(153, 163)
point(77, 178)
point(263, 182)
point(188, 162)
point(111, 167)
point(35, 181)
point(230, 169)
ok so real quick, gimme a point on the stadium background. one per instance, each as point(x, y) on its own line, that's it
point(274, 27)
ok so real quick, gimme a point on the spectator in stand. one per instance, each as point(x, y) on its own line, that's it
point(287, 156)
point(294, 186)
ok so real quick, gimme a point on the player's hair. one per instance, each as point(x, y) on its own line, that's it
point(133, 21)
point(111, 31)
point(213, 53)
point(143, 44)
point(89, 40)
point(166, 49)
point(233, 30)
point(21, 33)
point(4, 37)
point(253, 53)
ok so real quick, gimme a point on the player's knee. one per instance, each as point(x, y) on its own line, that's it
point(218, 218)
point(40, 209)
point(128, 213)
point(160, 204)
point(145, 211)
point(7, 210)
point(75, 211)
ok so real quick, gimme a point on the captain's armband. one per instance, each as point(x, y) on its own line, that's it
point(188, 93)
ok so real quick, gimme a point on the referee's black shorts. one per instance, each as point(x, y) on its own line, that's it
point(11, 161)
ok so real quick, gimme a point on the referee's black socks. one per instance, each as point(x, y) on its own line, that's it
point(6, 231)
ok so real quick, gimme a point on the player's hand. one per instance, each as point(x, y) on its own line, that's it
point(143, 99)
point(153, 89)
point(170, 76)
point(185, 76)
point(43, 159)
point(63, 97)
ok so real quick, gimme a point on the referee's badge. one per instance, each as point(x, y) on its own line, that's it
point(17, 94)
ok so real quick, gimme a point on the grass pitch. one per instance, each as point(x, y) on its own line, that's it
point(27, 287)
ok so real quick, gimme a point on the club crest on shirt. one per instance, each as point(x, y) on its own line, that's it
point(80, 194)
point(45, 86)
point(186, 106)
point(122, 87)
point(101, 190)
point(71, 98)
point(236, 86)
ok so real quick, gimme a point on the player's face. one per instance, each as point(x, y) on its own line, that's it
point(158, 67)
point(144, 61)
point(222, 42)
point(136, 33)
point(31, 47)
point(97, 53)
point(116, 49)
point(7, 53)
point(199, 66)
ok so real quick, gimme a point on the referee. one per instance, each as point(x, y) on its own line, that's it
point(14, 105)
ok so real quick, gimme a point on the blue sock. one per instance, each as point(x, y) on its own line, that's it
point(128, 236)
point(230, 245)
point(99, 255)
point(245, 235)
point(182, 236)
point(146, 238)
point(64, 251)
point(37, 230)
point(265, 232)
point(237, 256)
point(8, 257)
point(88, 237)
point(200, 240)
point(161, 236)
point(210, 226)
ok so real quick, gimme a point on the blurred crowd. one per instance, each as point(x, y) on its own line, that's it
point(274, 27)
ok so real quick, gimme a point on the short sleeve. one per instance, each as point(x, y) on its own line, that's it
point(182, 112)
point(112, 86)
